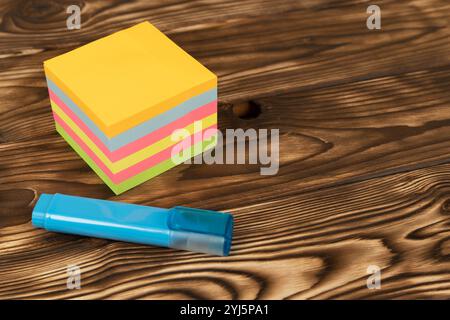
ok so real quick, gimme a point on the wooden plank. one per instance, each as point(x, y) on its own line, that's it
point(328, 136)
point(311, 245)
point(357, 110)
point(302, 52)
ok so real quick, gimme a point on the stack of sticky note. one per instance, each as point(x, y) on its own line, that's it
point(118, 100)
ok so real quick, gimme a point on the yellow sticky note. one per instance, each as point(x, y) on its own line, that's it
point(129, 77)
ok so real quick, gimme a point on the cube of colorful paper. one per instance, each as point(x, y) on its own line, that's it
point(117, 101)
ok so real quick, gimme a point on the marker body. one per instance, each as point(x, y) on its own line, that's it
point(178, 227)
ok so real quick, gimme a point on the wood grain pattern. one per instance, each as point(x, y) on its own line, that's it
point(364, 119)
point(312, 245)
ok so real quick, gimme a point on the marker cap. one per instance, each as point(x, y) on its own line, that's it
point(200, 230)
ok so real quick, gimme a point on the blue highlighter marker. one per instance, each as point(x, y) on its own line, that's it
point(179, 227)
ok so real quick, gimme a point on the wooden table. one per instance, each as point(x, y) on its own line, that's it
point(364, 119)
